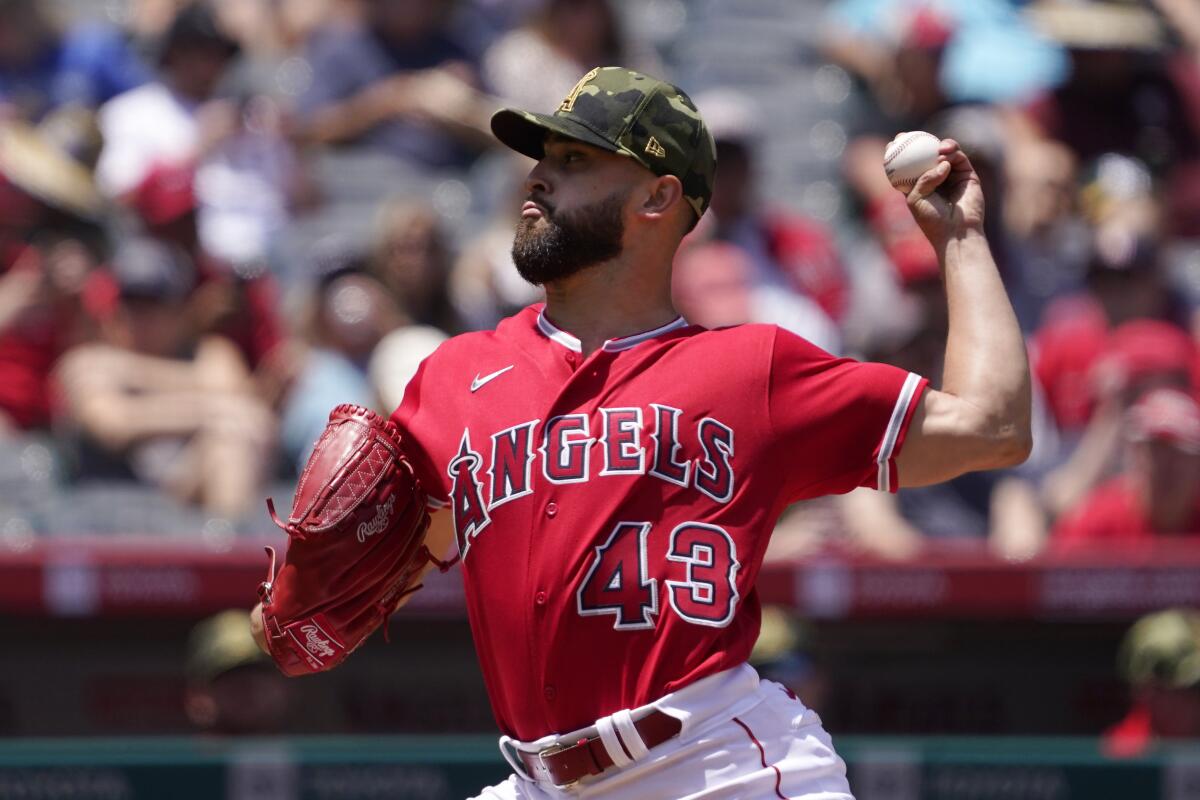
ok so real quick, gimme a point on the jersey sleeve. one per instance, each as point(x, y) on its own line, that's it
point(836, 423)
point(423, 427)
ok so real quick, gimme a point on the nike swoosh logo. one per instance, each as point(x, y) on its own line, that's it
point(479, 382)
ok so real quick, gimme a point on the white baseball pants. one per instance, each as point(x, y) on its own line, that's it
point(742, 739)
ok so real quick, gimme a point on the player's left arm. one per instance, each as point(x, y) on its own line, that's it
point(980, 419)
point(438, 539)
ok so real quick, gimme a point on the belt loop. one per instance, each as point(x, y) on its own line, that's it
point(623, 720)
point(505, 743)
point(612, 743)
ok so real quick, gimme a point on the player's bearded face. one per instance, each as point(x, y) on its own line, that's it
point(561, 243)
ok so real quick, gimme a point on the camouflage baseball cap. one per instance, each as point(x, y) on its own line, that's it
point(219, 644)
point(629, 113)
point(1163, 647)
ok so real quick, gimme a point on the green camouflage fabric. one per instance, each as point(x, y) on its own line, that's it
point(625, 112)
point(1163, 647)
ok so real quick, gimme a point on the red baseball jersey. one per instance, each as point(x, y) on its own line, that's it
point(612, 511)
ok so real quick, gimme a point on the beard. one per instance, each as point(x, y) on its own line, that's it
point(569, 241)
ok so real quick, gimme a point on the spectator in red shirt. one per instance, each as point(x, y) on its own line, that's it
point(1160, 657)
point(1126, 286)
point(50, 242)
point(44, 296)
point(1159, 492)
point(1107, 373)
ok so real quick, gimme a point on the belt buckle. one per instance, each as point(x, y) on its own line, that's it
point(549, 751)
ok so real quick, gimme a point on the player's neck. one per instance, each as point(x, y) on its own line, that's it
point(611, 301)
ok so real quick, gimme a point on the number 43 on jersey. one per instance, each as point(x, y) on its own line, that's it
point(701, 565)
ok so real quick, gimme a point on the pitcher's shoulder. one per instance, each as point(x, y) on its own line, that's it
point(750, 335)
point(731, 351)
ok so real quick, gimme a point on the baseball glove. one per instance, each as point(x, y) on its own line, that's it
point(355, 544)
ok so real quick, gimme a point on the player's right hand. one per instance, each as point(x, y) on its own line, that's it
point(947, 201)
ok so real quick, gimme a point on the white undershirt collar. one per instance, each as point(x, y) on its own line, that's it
point(612, 345)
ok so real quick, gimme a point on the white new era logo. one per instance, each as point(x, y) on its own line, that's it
point(478, 383)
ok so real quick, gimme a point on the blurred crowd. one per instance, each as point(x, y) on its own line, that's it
point(220, 219)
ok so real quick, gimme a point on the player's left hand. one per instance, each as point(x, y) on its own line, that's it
point(947, 201)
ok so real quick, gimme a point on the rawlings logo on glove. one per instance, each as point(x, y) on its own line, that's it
point(356, 544)
point(379, 522)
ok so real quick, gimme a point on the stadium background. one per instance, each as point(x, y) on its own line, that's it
point(190, 278)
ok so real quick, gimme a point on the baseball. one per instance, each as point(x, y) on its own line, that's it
point(909, 156)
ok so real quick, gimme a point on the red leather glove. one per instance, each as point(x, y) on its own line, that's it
point(355, 544)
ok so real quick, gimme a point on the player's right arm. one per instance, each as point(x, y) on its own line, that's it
point(980, 419)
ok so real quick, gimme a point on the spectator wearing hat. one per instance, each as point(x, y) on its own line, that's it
point(1124, 93)
point(1102, 375)
point(1123, 284)
point(1097, 351)
point(1160, 659)
point(208, 170)
point(1127, 289)
point(1158, 494)
point(1134, 89)
point(232, 686)
point(165, 124)
point(50, 243)
point(150, 400)
point(238, 301)
point(214, 176)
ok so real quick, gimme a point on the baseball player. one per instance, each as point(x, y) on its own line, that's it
point(611, 474)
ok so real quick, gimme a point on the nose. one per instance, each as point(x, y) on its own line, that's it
point(536, 181)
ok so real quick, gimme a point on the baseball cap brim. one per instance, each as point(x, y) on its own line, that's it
point(526, 132)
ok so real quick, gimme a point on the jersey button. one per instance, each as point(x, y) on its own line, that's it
point(540, 598)
point(551, 508)
point(550, 692)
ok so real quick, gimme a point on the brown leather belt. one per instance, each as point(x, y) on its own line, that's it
point(563, 765)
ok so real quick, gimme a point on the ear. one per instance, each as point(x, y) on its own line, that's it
point(665, 194)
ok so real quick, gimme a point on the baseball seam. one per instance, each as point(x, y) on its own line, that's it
point(904, 143)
